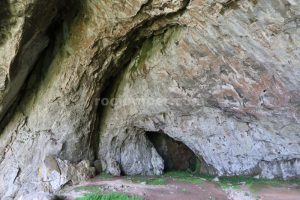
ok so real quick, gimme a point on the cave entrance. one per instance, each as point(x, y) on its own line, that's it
point(176, 155)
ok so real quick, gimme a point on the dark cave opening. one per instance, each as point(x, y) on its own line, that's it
point(176, 155)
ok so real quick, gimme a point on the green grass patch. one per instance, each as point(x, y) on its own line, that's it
point(181, 176)
point(257, 185)
point(184, 176)
point(105, 176)
point(253, 184)
point(109, 196)
point(235, 182)
point(184, 190)
point(149, 180)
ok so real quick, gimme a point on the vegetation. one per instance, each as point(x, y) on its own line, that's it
point(181, 176)
point(141, 58)
point(108, 196)
point(149, 180)
point(250, 181)
point(150, 47)
point(225, 182)
point(105, 176)
point(184, 176)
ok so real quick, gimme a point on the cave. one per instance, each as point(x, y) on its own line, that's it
point(176, 155)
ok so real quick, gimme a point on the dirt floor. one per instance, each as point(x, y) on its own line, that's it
point(173, 189)
point(282, 193)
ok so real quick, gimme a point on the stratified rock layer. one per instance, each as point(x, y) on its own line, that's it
point(221, 76)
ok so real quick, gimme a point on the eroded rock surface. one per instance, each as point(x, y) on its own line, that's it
point(56, 173)
point(57, 113)
point(220, 76)
point(23, 27)
point(226, 84)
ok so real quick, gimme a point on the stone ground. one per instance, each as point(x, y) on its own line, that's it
point(168, 188)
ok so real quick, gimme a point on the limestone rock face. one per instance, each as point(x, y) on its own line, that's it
point(23, 26)
point(55, 173)
point(226, 84)
point(220, 76)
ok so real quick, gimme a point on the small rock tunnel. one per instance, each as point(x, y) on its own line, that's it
point(176, 155)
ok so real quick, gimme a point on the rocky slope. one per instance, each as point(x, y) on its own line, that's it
point(220, 76)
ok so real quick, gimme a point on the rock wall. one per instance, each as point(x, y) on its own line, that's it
point(223, 83)
point(221, 76)
point(219, 112)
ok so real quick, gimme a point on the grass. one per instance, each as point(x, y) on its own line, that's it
point(253, 184)
point(109, 196)
point(234, 182)
point(183, 176)
point(105, 176)
point(149, 180)
point(96, 192)
point(184, 190)
point(225, 182)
